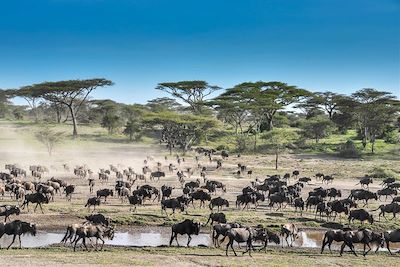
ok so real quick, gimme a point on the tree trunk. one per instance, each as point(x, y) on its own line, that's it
point(255, 142)
point(364, 141)
point(373, 144)
point(276, 159)
point(75, 131)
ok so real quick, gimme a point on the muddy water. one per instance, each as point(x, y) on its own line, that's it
point(158, 236)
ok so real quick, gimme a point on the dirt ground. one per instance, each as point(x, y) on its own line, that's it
point(16, 147)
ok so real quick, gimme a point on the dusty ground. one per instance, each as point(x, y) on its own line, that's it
point(18, 147)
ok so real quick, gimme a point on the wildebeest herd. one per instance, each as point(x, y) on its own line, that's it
point(273, 192)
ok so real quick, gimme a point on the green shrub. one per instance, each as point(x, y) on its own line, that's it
point(221, 147)
point(349, 150)
point(392, 137)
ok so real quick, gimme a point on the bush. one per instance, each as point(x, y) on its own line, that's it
point(383, 173)
point(392, 137)
point(221, 147)
point(349, 150)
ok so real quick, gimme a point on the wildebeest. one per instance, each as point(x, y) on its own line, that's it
point(330, 236)
point(361, 194)
point(93, 201)
point(17, 228)
point(8, 210)
point(391, 236)
point(289, 230)
point(365, 181)
point(216, 217)
point(218, 202)
point(388, 181)
point(241, 235)
point(98, 231)
point(363, 236)
point(200, 195)
point(313, 201)
point(166, 191)
point(35, 198)
point(187, 227)
point(393, 208)
point(334, 193)
point(69, 190)
point(173, 204)
point(327, 178)
point(338, 206)
point(104, 193)
point(305, 180)
point(135, 200)
point(299, 204)
point(157, 175)
point(98, 219)
point(361, 215)
point(386, 192)
point(266, 236)
point(222, 229)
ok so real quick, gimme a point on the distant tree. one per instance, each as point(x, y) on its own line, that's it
point(373, 110)
point(180, 130)
point(279, 139)
point(4, 103)
point(111, 122)
point(193, 93)
point(30, 97)
point(49, 138)
point(18, 112)
point(133, 129)
point(317, 127)
point(72, 94)
point(163, 104)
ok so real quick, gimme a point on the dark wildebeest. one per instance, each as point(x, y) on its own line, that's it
point(361, 194)
point(104, 193)
point(71, 230)
point(365, 181)
point(289, 230)
point(388, 181)
point(327, 178)
point(245, 199)
point(241, 235)
point(338, 206)
point(93, 201)
point(222, 229)
point(8, 210)
point(219, 202)
point(200, 195)
point(386, 192)
point(192, 184)
point(69, 190)
point(98, 231)
point(135, 200)
point(322, 208)
point(17, 228)
point(305, 180)
point(299, 204)
point(157, 175)
point(35, 198)
point(166, 191)
point(267, 236)
point(330, 236)
point(173, 204)
point(98, 219)
point(361, 215)
point(216, 217)
point(319, 176)
point(295, 173)
point(363, 236)
point(216, 184)
point(393, 208)
point(91, 185)
point(391, 236)
point(334, 193)
point(187, 227)
point(313, 201)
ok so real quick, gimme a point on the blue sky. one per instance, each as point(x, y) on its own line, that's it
point(319, 45)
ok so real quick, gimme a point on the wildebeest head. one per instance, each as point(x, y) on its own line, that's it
point(226, 203)
point(196, 227)
point(109, 232)
point(32, 229)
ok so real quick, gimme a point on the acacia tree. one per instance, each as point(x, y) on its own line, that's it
point(163, 104)
point(373, 111)
point(49, 138)
point(27, 93)
point(72, 94)
point(279, 139)
point(317, 127)
point(179, 130)
point(329, 101)
point(192, 93)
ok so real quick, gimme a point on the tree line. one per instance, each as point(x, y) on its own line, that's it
point(195, 111)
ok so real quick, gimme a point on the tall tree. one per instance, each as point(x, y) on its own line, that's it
point(317, 127)
point(279, 139)
point(373, 110)
point(329, 101)
point(27, 93)
point(163, 104)
point(193, 93)
point(72, 94)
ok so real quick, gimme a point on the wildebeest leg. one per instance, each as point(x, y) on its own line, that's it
point(34, 210)
point(84, 243)
point(102, 244)
point(342, 248)
point(369, 249)
point(12, 242)
point(172, 238)
point(189, 238)
point(387, 245)
point(77, 238)
point(20, 243)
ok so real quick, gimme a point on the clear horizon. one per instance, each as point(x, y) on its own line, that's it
point(317, 45)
